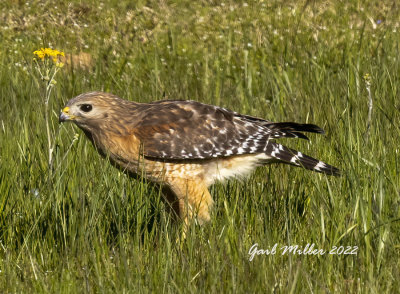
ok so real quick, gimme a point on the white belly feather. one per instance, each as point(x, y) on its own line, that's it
point(233, 167)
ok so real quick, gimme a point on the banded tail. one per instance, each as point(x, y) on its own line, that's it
point(294, 157)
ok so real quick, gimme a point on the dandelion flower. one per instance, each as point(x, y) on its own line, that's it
point(39, 54)
point(48, 52)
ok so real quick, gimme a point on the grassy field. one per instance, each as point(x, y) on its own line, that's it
point(89, 228)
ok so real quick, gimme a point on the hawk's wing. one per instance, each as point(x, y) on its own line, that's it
point(192, 130)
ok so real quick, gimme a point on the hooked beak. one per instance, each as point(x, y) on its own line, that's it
point(64, 116)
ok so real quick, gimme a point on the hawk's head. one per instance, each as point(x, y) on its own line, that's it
point(88, 108)
point(96, 111)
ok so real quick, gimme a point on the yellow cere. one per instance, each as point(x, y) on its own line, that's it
point(66, 109)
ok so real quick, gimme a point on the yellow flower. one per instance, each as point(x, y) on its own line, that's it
point(39, 54)
point(48, 52)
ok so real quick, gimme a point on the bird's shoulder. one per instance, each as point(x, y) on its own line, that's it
point(184, 110)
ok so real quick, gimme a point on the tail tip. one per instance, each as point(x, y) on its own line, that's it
point(322, 167)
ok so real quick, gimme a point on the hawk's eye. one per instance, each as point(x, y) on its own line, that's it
point(86, 107)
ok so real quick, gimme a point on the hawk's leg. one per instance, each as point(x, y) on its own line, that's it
point(171, 202)
point(191, 199)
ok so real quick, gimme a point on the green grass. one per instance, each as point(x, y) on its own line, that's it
point(93, 229)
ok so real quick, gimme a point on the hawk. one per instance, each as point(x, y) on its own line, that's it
point(185, 146)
